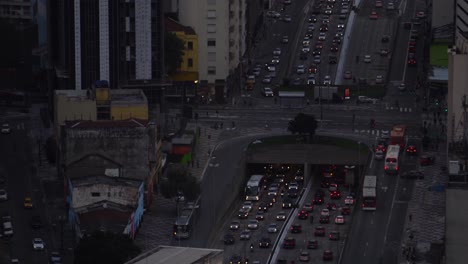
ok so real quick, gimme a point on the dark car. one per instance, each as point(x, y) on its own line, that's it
point(287, 203)
point(385, 38)
point(312, 244)
point(302, 215)
point(426, 160)
point(331, 206)
point(228, 239)
point(236, 259)
point(411, 149)
point(335, 195)
point(289, 242)
point(323, 28)
point(55, 258)
point(332, 59)
point(293, 193)
point(263, 207)
point(317, 200)
point(325, 183)
point(36, 222)
point(270, 201)
point(316, 52)
point(319, 231)
point(265, 242)
point(327, 255)
point(334, 235)
point(334, 48)
point(296, 228)
point(412, 174)
point(312, 69)
point(312, 18)
point(324, 219)
point(345, 210)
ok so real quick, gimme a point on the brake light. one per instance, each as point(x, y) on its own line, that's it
point(385, 167)
point(396, 168)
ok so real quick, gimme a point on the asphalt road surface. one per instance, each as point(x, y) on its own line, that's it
point(16, 162)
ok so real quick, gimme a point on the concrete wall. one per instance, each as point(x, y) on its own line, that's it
point(120, 194)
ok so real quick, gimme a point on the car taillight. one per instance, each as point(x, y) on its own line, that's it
point(385, 167)
point(396, 168)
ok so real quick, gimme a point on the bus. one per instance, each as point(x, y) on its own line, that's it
point(253, 189)
point(391, 159)
point(185, 221)
point(369, 193)
point(398, 135)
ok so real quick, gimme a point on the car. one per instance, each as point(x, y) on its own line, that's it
point(362, 80)
point(312, 244)
point(339, 220)
point(317, 200)
point(347, 75)
point(327, 255)
point(336, 39)
point(420, 14)
point(378, 4)
point(264, 242)
point(256, 72)
point(28, 203)
point(334, 235)
point(36, 222)
point(365, 99)
point(271, 200)
point(379, 154)
point(271, 67)
point(412, 61)
point(243, 213)
point(331, 206)
point(273, 14)
point(379, 79)
point(300, 69)
point(267, 79)
point(384, 134)
point(267, 92)
point(323, 28)
point(325, 212)
point(285, 39)
point(260, 216)
point(296, 228)
point(277, 51)
point(273, 190)
point(383, 52)
point(289, 243)
point(319, 45)
point(345, 210)
point(322, 36)
point(297, 81)
point(55, 257)
point(302, 215)
point(334, 48)
point(373, 16)
point(3, 195)
point(390, 6)
point(304, 256)
point(317, 59)
point(335, 195)
point(305, 49)
point(312, 18)
point(235, 259)
point(38, 244)
point(327, 80)
point(293, 193)
point(245, 235)
point(328, 11)
point(332, 59)
point(6, 129)
point(324, 219)
point(317, 52)
point(293, 185)
point(281, 216)
point(411, 149)
point(319, 231)
point(234, 225)
point(272, 228)
point(15, 261)
point(349, 200)
point(333, 187)
point(412, 174)
point(401, 87)
point(252, 224)
point(228, 239)
point(367, 58)
point(287, 18)
point(385, 38)
point(308, 207)
point(248, 205)
point(426, 160)
point(312, 69)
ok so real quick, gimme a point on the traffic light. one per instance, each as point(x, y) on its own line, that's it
point(437, 102)
point(446, 110)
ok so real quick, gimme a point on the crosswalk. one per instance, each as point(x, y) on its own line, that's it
point(377, 132)
point(399, 109)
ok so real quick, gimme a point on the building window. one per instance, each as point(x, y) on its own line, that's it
point(190, 45)
point(211, 56)
point(211, 70)
point(211, 28)
point(95, 194)
point(211, 2)
point(190, 63)
point(211, 14)
point(211, 42)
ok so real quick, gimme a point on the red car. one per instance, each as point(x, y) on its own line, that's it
point(327, 255)
point(296, 228)
point(373, 16)
point(345, 210)
point(302, 215)
point(319, 231)
point(312, 69)
point(289, 242)
point(381, 148)
point(411, 149)
point(426, 160)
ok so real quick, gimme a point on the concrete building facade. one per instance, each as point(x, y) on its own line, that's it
point(461, 17)
point(21, 11)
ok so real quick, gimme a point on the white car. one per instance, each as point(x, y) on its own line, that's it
point(365, 99)
point(300, 69)
point(277, 51)
point(3, 195)
point(325, 212)
point(275, 60)
point(341, 25)
point(273, 191)
point(287, 18)
point(267, 92)
point(273, 14)
point(317, 59)
point(272, 228)
point(322, 36)
point(367, 58)
point(271, 67)
point(281, 216)
point(6, 129)
point(311, 80)
point(247, 205)
point(379, 79)
point(349, 200)
point(384, 134)
point(245, 235)
point(339, 220)
point(390, 6)
point(305, 49)
point(253, 224)
point(234, 225)
point(401, 87)
point(327, 80)
point(38, 244)
point(266, 79)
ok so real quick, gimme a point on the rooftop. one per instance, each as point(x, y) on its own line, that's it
point(125, 96)
point(174, 26)
point(180, 255)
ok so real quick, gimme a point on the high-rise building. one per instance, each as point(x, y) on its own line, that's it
point(17, 10)
point(116, 40)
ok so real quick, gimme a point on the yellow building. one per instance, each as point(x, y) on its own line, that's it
point(188, 70)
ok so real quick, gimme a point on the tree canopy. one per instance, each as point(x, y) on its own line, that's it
point(179, 179)
point(105, 248)
point(173, 52)
point(303, 124)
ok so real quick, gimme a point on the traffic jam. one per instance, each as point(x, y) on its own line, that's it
point(264, 220)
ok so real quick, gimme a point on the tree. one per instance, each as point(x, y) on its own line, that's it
point(105, 248)
point(173, 52)
point(179, 180)
point(303, 124)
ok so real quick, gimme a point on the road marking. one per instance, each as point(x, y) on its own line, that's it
point(372, 162)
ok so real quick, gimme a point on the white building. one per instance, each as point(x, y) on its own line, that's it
point(220, 26)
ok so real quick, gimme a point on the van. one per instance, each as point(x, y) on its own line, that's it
point(7, 229)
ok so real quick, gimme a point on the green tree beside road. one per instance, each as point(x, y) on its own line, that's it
point(179, 180)
point(173, 52)
point(303, 124)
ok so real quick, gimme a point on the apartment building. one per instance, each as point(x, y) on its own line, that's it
point(17, 10)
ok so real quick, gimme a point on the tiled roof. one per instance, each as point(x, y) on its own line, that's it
point(174, 26)
point(128, 123)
